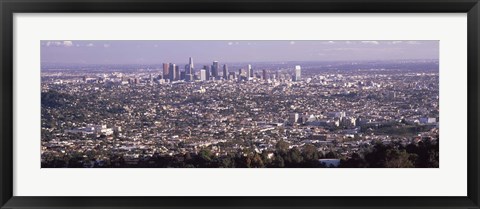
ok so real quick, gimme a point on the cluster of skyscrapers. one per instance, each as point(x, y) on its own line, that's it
point(172, 72)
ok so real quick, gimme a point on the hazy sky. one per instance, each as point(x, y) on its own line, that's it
point(156, 52)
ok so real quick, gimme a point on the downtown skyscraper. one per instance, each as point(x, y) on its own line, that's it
point(249, 72)
point(215, 69)
point(166, 69)
point(298, 73)
point(203, 75)
point(172, 72)
point(207, 72)
point(190, 68)
point(225, 72)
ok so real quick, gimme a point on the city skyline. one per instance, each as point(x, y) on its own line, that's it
point(157, 52)
point(194, 109)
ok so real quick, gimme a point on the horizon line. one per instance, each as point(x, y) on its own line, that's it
point(243, 62)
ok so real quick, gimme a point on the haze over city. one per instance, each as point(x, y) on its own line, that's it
point(234, 51)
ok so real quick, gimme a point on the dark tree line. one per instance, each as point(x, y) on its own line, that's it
point(424, 154)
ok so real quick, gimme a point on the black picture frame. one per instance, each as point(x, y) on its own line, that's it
point(9, 7)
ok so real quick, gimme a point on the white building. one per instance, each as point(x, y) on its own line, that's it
point(203, 75)
point(427, 120)
point(92, 129)
point(294, 117)
point(298, 73)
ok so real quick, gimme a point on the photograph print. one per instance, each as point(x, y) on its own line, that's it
point(239, 104)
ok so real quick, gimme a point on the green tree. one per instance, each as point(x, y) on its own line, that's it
point(294, 157)
point(310, 152)
point(355, 161)
point(282, 146)
point(279, 162)
point(331, 154)
point(398, 159)
point(257, 161)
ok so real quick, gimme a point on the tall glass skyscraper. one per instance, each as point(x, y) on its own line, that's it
point(225, 72)
point(215, 69)
point(190, 69)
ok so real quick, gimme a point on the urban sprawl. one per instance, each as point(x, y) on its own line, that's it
point(286, 114)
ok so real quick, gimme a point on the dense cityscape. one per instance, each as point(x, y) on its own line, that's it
point(279, 114)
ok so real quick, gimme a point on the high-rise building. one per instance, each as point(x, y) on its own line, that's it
point(231, 76)
point(264, 74)
point(177, 73)
point(298, 73)
point(225, 72)
point(190, 63)
point(215, 69)
point(183, 75)
point(207, 72)
point(171, 72)
point(242, 74)
point(189, 68)
point(249, 71)
point(165, 69)
point(203, 75)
